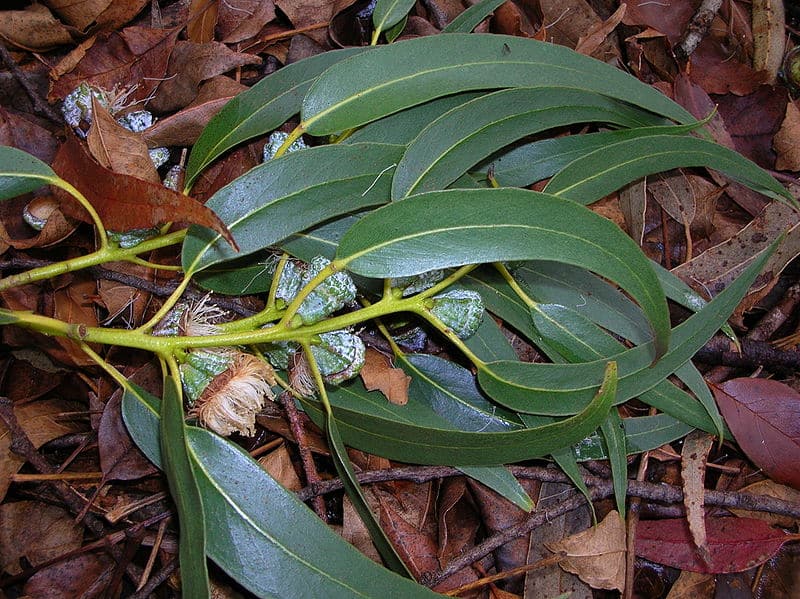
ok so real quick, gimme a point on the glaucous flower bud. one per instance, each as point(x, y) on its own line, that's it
point(417, 283)
point(276, 140)
point(333, 294)
point(340, 355)
point(460, 309)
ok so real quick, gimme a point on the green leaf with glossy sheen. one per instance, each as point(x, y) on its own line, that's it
point(290, 194)
point(261, 109)
point(468, 133)
point(410, 433)
point(390, 12)
point(594, 175)
point(254, 522)
point(471, 18)
point(21, 173)
point(185, 494)
point(501, 481)
point(532, 162)
point(642, 433)
point(402, 127)
point(490, 225)
point(559, 389)
point(614, 439)
point(391, 78)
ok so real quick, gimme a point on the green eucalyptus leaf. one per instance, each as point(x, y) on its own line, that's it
point(21, 173)
point(395, 30)
point(471, 18)
point(489, 225)
point(559, 389)
point(501, 481)
point(532, 162)
point(185, 493)
point(253, 521)
point(598, 173)
point(642, 433)
point(260, 109)
point(394, 77)
point(410, 434)
point(247, 275)
point(273, 201)
point(614, 439)
point(468, 133)
point(390, 12)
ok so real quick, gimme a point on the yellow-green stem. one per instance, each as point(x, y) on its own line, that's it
point(293, 137)
point(102, 237)
point(512, 282)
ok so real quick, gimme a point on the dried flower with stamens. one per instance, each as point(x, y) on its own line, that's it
point(226, 389)
point(201, 318)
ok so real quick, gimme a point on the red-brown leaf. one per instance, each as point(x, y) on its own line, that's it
point(125, 202)
point(764, 417)
point(735, 544)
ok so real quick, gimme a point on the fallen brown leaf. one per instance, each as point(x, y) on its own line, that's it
point(279, 465)
point(34, 29)
point(244, 20)
point(78, 14)
point(769, 488)
point(693, 472)
point(596, 555)
point(379, 374)
point(118, 13)
point(202, 20)
point(118, 149)
point(124, 202)
point(597, 33)
point(785, 140)
point(75, 577)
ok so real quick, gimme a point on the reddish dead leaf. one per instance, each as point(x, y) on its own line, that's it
point(597, 33)
point(72, 303)
point(510, 20)
point(202, 20)
point(36, 532)
point(764, 417)
point(120, 459)
point(34, 29)
point(19, 235)
point(118, 149)
point(244, 20)
point(279, 465)
point(124, 302)
point(78, 14)
point(458, 521)
point(379, 374)
point(785, 140)
point(355, 532)
point(596, 555)
point(668, 19)
point(229, 167)
point(18, 131)
point(717, 72)
point(417, 548)
point(76, 577)
point(125, 202)
point(40, 421)
point(735, 544)
point(135, 56)
point(693, 472)
point(190, 65)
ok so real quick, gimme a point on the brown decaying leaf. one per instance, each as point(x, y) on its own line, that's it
point(785, 140)
point(80, 576)
point(764, 417)
point(34, 29)
point(693, 472)
point(692, 585)
point(78, 14)
point(118, 149)
point(202, 20)
point(379, 374)
point(120, 458)
point(303, 13)
point(36, 531)
point(599, 32)
point(191, 64)
point(279, 465)
point(769, 488)
point(735, 544)
point(18, 131)
point(596, 555)
point(118, 13)
point(566, 21)
point(355, 532)
point(39, 419)
point(135, 56)
point(510, 20)
point(18, 234)
point(769, 37)
point(244, 19)
point(125, 202)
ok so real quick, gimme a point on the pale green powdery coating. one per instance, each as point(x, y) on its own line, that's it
point(461, 310)
point(340, 355)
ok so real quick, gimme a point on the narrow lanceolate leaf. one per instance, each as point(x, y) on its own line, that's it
point(560, 389)
point(470, 18)
point(262, 108)
point(20, 172)
point(532, 162)
point(289, 194)
point(256, 521)
point(391, 78)
point(388, 13)
point(491, 225)
point(598, 173)
point(185, 493)
point(614, 438)
point(467, 134)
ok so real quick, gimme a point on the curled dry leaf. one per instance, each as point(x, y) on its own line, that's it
point(78, 14)
point(118, 149)
point(135, 58)
point(379, 374)
point(785, 140)
point(599, 32)
point(125, 202)
point(34, 29)
point(764, 417)
point(693, 472)
point(735, 544)
point(596, 555)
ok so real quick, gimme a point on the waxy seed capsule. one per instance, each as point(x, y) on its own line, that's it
point(460, 309)
point(340, 355)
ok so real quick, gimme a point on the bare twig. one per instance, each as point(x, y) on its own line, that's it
point(697, 28)
point(39, 105)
